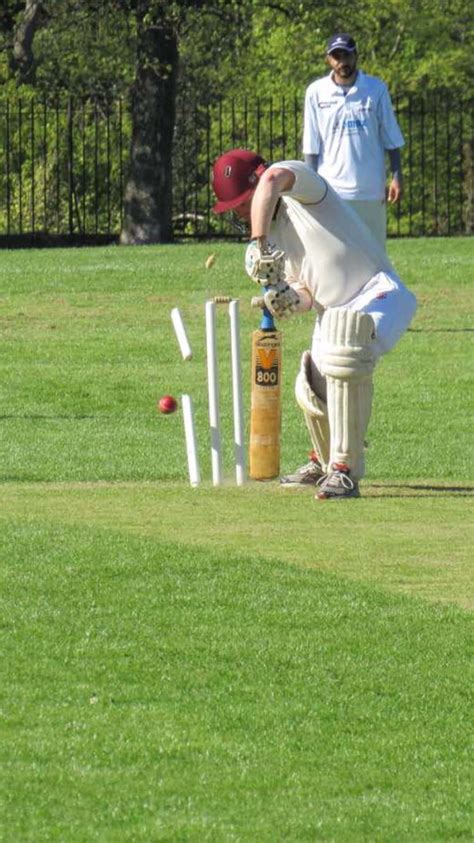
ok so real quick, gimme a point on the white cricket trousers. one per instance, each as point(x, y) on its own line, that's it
point(391, 305)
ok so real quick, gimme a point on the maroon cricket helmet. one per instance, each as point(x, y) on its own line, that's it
point(234, 178)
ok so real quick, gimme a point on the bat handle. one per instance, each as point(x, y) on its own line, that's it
point(267, 323)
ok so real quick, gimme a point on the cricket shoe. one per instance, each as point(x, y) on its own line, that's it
point(308, 475)
point(337, 484)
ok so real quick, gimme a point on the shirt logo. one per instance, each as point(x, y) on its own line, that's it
point(350, 126)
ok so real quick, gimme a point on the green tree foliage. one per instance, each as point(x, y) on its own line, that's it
point(252, 47)
point(411, 44)
point(83, 48)
point(236, 63)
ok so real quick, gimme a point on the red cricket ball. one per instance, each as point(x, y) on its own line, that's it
point(167, 404)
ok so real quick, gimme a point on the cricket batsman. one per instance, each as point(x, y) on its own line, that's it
point(309, 250)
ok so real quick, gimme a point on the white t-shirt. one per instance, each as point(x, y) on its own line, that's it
point(350, 132)
point(328, 249)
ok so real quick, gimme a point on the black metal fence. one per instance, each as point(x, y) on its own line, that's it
point(63, 164)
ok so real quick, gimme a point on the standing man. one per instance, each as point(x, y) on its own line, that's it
point(309, 250)
point(349, 123)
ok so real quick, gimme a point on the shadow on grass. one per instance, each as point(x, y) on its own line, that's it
point(38, 416)
point(441, 330)
point(407, 490)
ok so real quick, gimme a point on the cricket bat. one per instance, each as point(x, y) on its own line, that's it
point(265, 403)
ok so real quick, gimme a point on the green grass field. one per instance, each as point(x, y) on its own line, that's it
point(231, 664)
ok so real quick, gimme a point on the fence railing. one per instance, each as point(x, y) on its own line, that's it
point(63, 164)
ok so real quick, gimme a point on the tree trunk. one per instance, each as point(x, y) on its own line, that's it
point(22, 61)
point(148, 191)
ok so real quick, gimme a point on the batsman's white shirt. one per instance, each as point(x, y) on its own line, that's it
point(328, 248)
point(350, 133)
point(331, 253)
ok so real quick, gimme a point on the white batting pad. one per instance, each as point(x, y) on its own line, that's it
point(347, 360)
point(314, 409)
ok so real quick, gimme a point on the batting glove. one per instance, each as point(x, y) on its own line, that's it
point(281, 299)
point(264, 267)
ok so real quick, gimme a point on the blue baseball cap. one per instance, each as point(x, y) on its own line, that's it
point(341, 41)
